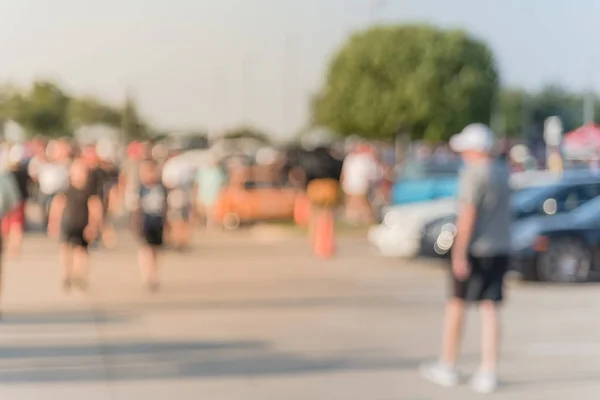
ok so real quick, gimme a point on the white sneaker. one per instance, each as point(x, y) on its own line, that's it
point(439, 374)
point(484, 382)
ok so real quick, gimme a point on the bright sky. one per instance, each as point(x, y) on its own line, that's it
point(221, 63)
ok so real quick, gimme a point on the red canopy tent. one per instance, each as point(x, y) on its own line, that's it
point(583, 142)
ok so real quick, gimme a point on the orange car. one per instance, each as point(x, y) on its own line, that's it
point(254, 201)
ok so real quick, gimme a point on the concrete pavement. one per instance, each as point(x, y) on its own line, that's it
point(245, 317)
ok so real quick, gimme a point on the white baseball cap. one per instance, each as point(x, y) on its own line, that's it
point(475, 137)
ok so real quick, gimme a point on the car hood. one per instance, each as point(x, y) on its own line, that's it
point(546, 223)
point(424, 210)
point(412, 218)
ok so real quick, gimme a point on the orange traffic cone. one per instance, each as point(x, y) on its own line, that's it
point(324, 241)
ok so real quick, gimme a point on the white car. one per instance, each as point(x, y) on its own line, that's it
point(399, 235)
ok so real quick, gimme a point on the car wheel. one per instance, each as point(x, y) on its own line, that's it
point(231, 221)
point(566, 261)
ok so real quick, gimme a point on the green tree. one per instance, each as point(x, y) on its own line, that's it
point(512, 106)
point(247, 133)
point(41, 110)
point(91, 111)
point(526, 112)
point(132, 125)
point(429, 81)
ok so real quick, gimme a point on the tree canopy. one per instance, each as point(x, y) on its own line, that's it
point(428, 81)
point(91, 111)
point(41, 110)
point(525, 112)
point(245, 132)
point(46, 109)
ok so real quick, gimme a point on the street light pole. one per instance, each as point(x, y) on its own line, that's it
point(588, 107)
point(589, 98)
point(285, 82)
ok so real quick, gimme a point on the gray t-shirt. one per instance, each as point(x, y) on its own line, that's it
point(486, 186)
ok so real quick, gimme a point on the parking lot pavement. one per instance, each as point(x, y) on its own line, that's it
point(242, 318)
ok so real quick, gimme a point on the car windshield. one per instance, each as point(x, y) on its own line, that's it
point(528, 199)
point(429, 169)
point(588, 212)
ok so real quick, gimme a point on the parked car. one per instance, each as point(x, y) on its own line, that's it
point(420, 181)
point(255, 201)
point(400, 233)
point(564, 248)
point(560, 197)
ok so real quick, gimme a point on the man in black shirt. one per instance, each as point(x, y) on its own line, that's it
point(76, 217)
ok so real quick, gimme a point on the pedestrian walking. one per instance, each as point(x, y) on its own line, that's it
point(110, 196)
point(75, 218)
point(10, 199)
point(358, 174)
point(52, 173)
point(178, 178)
point(13, 223)
point(479, 257)
point(323, 177)
point(208, 184)
point(150, 222)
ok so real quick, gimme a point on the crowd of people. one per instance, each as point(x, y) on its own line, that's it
point(82, 190)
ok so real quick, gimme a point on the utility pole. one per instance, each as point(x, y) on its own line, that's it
point(246, 87)
point(285, 81)
point(588, 106)
point(589, 99)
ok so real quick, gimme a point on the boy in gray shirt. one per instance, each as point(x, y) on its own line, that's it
point(479, 256)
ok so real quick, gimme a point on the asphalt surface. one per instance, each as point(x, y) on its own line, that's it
point(254, 316)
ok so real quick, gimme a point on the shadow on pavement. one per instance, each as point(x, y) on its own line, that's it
point(123, 349)
point(354, 302)
point(65, 317)
point(173, 360)
point(549, 380)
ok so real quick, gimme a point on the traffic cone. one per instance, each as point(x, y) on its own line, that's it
point(324, 244)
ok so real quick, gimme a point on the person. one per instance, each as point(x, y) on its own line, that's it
point(322, 190)
point(129, 180)
point(358, 173)
point(13, 223)
point(102, 178)
point(177, 177)
point(207, 187)
point(53, 174)
point(150, 221)
point(10, 198)
point(110, 200)
point(479, 257)
point(75, 217)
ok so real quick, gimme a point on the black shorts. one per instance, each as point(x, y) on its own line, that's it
point(486, 281)
point(152, 236)
point(74, 236)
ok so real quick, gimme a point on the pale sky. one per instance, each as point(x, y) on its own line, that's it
point(200, 64)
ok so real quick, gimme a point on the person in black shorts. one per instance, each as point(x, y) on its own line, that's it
point(149, 222)
point(76, 218)
point(479, 256)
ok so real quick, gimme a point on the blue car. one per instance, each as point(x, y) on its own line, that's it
point(426, 180)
